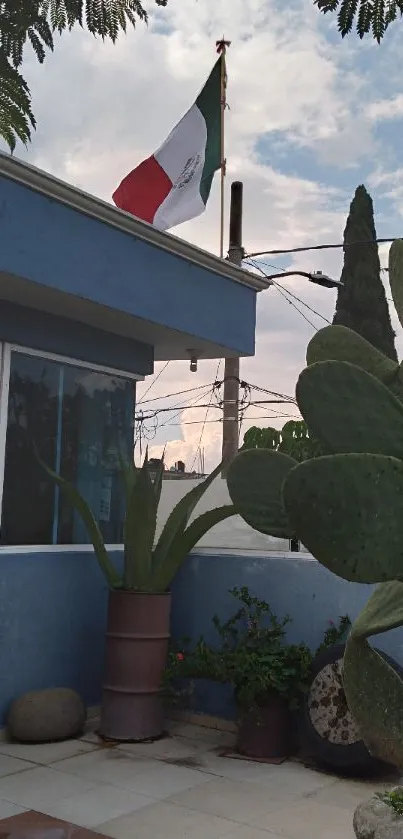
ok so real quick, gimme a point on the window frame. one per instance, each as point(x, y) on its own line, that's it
point(6, 349)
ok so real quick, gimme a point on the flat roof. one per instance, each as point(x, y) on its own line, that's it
point(40, 181)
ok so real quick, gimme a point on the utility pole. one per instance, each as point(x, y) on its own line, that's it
point(230, 437)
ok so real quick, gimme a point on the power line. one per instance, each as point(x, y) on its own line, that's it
point(175, 393)
point(280, 288)
point(205, 418)
point(154, 382)
point(321, 247)
point(207, 421)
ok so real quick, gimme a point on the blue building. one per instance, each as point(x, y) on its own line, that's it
point(90, 298)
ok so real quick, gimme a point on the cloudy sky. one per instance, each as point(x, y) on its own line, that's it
point(311, 117)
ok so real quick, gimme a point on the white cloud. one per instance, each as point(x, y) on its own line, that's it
point(102, 108)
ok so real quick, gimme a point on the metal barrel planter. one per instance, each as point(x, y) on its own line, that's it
point(137, 639)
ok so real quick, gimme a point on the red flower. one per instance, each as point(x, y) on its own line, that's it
point(180, 656)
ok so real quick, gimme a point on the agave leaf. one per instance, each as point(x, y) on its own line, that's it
point(139, 531)
point(178, 519)
point(158, 480)
point(183, 543)
point(78, 502)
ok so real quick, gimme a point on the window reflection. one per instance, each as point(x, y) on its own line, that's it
point(79, 421)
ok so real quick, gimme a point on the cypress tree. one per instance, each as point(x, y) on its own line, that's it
point(361, 303)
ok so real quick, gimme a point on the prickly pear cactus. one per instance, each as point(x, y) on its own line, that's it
point(347, 507)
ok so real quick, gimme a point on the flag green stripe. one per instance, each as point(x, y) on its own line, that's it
point(209, 104)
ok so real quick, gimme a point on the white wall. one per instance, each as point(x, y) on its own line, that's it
point(231, 533)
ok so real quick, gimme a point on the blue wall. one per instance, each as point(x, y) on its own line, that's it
point(56, 246)
point(53, 612)
point(51, 333)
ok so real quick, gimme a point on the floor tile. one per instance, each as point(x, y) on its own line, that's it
point(291, 778)
point(245, 831)
point(44, 753)
point(97, 805)
point(347, 794)
point(110, 766)
point(307, 819)
point(10, 765)
point(167, 821)
point(163, 781)
point(38, 787)
point(239, 802)
point(234, 769)
point(7, 809)
point(169, 748)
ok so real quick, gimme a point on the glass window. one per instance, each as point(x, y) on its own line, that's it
point(79, 421)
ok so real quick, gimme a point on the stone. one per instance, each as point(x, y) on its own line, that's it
point(43, 716)
point(374, 819)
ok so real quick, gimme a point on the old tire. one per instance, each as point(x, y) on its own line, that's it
point(327, 732)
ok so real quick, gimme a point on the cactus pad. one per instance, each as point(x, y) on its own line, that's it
point(346, 509)
point(355, 412)
point(338, 343)
point(374, 693)
point(255, 479)
point(383, 611)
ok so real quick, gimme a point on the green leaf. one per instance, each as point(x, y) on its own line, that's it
point(255, 479)
point(16, 117)
point(139, 531)
point(350, 410)
point(383, 611)
point(185, 542)
point(179, 518)
point(374, 693)
point(80, 505)
point(346, 509)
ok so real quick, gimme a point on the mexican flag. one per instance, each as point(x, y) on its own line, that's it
point(174, 184)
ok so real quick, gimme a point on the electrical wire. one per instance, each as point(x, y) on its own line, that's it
point(286, 291)
point(175, 393)
point(154, 381)
point(205, 418)
point(206, 422)
point(321, 247)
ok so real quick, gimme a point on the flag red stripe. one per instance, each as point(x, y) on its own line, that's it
point(143, 190)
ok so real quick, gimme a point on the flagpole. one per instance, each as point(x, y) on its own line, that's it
point(222, 46)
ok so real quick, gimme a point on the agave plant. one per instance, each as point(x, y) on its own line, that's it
point(148, 567)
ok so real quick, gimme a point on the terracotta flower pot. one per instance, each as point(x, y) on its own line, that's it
point(265, 733)
point(137, 640)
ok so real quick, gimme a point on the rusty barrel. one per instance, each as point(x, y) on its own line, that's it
point(137, 639)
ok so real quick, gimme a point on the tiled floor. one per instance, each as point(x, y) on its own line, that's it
point(177, 788)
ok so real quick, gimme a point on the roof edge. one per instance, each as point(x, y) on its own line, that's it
point(40, 181)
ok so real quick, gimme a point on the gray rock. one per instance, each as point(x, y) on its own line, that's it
point(42, 716)
point(376, 820)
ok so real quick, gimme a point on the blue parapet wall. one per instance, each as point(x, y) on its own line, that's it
point(56, 246)
point(53, 613)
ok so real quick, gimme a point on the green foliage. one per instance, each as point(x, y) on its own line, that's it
point(251, 654)
point(361, 301)
point(394, 799)
point(335, 634)
point(369, 15)
point(294, 439)
point(148, 567)
point(34, 22)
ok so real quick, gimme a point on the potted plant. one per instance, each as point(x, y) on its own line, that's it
point(266, 673)
point(137, 634)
